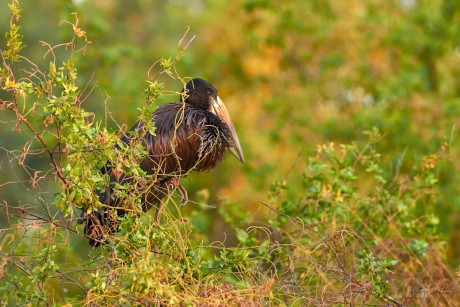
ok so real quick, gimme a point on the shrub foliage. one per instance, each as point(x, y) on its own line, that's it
point(346, 227)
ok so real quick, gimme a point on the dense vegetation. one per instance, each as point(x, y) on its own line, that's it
point(347, 112)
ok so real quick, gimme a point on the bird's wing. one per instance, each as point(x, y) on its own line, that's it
point(175, 147)
point(173, 150)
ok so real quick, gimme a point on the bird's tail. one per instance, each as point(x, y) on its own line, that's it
point(98, 226)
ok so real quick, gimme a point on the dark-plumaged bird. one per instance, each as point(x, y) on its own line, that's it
point(190, 135)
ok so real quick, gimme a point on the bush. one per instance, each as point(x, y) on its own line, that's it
point(348, 227)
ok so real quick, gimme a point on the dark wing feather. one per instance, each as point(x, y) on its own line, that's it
point(186, 139)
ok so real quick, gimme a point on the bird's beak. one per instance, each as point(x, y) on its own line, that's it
point(219, 109)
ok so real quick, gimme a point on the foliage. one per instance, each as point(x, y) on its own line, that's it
point(361, 220)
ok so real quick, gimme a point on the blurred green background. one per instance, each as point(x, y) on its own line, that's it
point(293, 74)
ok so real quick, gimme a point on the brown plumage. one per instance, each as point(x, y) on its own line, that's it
point(190, 135)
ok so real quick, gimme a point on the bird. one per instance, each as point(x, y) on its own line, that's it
point(191, 135)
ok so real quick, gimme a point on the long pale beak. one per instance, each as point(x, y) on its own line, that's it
point(219, 109)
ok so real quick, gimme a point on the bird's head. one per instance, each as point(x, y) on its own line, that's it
point(202, 94)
